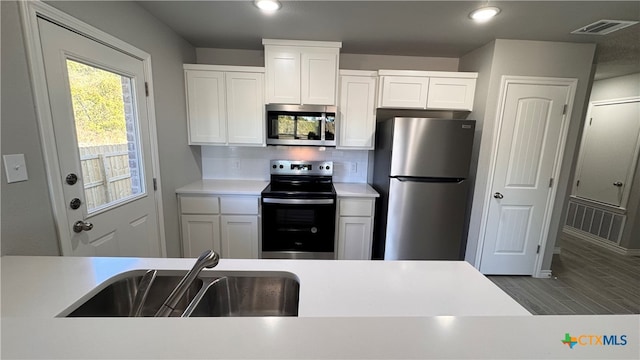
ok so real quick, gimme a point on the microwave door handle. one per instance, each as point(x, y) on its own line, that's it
point(322, 126)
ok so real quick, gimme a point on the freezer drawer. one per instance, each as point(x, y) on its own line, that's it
point(425, 220)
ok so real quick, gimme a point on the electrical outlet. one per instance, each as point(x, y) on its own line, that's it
point(236, 164)
point(354, 167)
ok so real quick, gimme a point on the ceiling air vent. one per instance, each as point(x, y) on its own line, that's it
point(603, 27)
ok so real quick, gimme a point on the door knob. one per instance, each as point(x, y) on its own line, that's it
point(71, 179)
point(498, 195)
point(617, 183)
point(80, 226)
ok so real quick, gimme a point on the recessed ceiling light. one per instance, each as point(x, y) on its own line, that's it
point(484, 14)
point(268, 6)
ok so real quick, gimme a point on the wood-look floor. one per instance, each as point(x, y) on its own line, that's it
point(586, 280)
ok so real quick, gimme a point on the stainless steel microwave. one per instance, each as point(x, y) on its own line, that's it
point(311, 125)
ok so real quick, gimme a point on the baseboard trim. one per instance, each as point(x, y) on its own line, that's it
point(557, 250)
point(596, 241)
point(543, 274)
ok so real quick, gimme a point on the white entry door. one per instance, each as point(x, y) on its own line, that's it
point(101, 130)
point(609, 150)
point(532, 120)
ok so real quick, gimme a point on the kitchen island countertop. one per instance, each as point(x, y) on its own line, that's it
point(348, 310)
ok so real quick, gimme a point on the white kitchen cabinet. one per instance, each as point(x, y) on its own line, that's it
point(355, 228)
point(409, 92)
point(356, 110)
point(200, 224)
point(451, 93)
point(227, 224)
point(225, 105)
point(301, 72)
point(433, 90)
point(239, 236)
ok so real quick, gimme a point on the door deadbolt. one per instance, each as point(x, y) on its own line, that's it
point(498, 195)
point(80, 226)
point(71, 179)
point(75, 203)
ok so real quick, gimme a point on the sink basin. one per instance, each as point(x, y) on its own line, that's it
point(247, 296)
point(117, 298)
point(212, 294)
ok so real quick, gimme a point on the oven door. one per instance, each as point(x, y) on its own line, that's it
point(298, 228)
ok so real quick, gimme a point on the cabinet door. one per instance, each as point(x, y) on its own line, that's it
point(354, 238)
point(206, 107)
point(283, 75)
point(404, 92)
point(200, 233)
point(239, 236)
point(451, 93)
point(357, 108)
point(319, 75)
point(245, 108)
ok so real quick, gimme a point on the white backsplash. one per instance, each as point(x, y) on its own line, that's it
point(252, 163)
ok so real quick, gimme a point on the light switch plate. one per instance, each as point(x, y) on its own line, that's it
point(15, 167)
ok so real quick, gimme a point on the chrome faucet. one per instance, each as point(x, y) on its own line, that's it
point(207, 259)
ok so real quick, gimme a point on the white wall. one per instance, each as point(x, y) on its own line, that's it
point(219, 162)
point(618, 88)
point(528, 58)
point(27, 220)
point(29, 230)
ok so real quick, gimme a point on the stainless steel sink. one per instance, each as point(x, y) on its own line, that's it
point(117, 298)
point(212, 294)
point(247, 296)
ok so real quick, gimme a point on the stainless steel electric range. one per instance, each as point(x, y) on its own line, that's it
point(299, 211)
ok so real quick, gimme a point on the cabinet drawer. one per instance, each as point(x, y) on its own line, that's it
point(356, 207)
point(239, 205)
point(199, 205)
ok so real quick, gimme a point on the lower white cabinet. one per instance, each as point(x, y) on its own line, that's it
point(228, 225)
point(200, 233)
point(239, 236)
point(355, 228)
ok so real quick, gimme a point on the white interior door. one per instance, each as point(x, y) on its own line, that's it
point(608, 153)
point(101, 128)
point(528, 145)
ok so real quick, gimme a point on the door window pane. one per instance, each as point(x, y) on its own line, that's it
point(106, 131)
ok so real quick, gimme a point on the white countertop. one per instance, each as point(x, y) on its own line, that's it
point(380, 295)
point(328, 288)
point(255, 187)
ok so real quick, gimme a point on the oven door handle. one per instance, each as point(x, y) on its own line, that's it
point(297, 201)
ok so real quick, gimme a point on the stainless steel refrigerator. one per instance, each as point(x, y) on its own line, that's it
point(420, 170)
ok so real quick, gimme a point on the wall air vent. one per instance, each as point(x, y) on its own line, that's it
point(603, 27)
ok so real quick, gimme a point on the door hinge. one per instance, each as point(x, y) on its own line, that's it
point(564, 109)
point(146, 89)
point(538, 250)
point(155, 184)
point(577, 183)
point(551, 182)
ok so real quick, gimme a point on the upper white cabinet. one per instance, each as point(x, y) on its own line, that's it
point(436, 90)
point(225, 105)
point(301, 72)
point(356, 109)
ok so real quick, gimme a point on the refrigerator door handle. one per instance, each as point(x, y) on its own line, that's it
point(429, 180)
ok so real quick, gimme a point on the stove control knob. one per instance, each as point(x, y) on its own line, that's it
point(327, 167)
point(281, 166)
point(321, 167)
point(314, 230)
point(274, 166)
